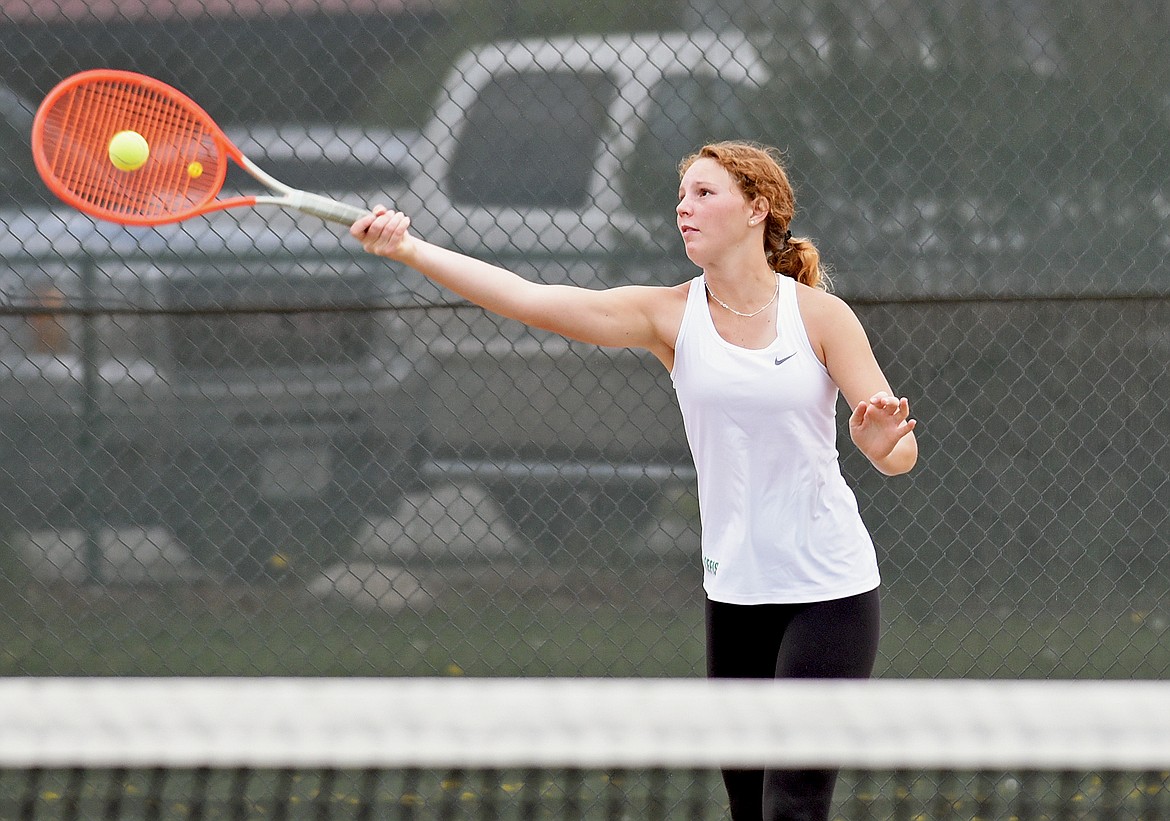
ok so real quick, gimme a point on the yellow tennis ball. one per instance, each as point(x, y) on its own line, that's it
point(129, 150)
point(195, 170)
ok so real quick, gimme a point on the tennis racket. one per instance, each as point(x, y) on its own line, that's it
point(179, 157)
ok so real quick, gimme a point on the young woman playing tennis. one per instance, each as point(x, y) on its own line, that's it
point(758, 352)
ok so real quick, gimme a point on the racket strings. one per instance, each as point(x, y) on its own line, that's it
point(186, 164)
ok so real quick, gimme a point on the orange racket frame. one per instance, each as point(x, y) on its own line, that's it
point(186, 167)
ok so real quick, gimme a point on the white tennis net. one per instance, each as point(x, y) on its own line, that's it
point(610, 748)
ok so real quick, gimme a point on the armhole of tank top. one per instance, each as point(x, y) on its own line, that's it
point(799, 328)
point(688, 313)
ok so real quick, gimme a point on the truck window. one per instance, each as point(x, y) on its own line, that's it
point(685, 112)
point(531, 139)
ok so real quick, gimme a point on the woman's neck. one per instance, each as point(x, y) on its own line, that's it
point(741, 283)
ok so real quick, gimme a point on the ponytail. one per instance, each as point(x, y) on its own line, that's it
point(798, 258)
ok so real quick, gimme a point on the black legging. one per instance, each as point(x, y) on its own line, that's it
point(830, 639)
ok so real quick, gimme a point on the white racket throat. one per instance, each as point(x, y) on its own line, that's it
point(316, 205)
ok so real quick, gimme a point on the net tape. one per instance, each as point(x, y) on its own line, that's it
point(583, 723)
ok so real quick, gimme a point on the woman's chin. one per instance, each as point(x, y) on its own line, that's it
point(694, 254)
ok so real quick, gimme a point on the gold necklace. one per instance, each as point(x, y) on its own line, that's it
point(756, 312)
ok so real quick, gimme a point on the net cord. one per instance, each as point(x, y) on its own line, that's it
point(583, 723)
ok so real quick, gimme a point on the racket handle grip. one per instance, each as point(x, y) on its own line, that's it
point(326, 208)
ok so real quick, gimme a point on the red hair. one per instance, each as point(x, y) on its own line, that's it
point(759, 172)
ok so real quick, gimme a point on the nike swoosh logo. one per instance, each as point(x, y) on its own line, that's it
point(785, 359)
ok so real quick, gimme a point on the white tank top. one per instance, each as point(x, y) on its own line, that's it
point(779, 523)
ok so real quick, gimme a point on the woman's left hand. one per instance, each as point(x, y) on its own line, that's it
point(878, 424)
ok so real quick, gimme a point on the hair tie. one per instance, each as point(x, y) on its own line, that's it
point(787, 237)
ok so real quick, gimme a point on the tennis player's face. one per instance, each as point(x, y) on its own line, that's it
point(712, 213)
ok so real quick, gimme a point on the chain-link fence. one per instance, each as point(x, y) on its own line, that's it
point(240, 446)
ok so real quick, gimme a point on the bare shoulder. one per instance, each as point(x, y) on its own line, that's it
point(826, 317)
point(664, 306)
point(820, 304)
point(670, 304)
point(675, 296)
point(657, 300)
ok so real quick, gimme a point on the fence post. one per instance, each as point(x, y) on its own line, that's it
point(89, 438)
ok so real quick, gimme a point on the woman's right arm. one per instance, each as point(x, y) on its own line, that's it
point(625, 317)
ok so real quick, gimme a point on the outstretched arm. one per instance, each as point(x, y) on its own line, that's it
point(629, 316)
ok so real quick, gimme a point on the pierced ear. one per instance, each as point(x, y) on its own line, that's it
point(760, 210)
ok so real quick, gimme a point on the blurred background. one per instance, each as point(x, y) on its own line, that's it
point(237, 446)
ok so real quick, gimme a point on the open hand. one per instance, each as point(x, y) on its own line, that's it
point(879, 423)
